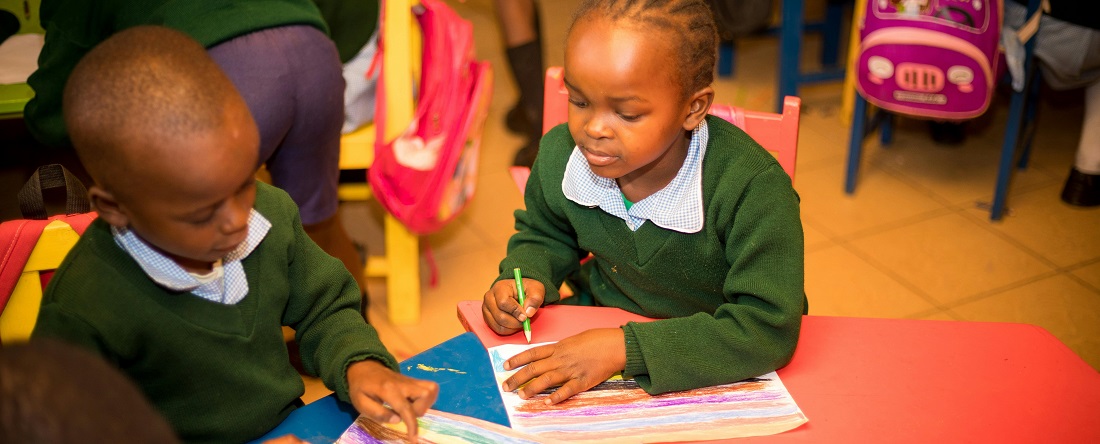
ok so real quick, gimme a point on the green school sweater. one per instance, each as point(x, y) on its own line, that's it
point(74, 27)
point(731, 296)
point(219, 373)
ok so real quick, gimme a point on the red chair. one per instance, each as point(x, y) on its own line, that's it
point(777, 133)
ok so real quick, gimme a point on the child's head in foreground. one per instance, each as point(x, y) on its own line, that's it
point(639, 74)
point(52, 392)
point(169, 141)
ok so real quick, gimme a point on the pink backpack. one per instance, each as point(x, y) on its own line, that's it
point(930, 58)
point(426, 176)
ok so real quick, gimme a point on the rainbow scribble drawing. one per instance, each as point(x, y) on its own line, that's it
point(435, 427)
point(619, 411)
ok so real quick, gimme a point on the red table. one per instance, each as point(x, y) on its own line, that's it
point(864, 380)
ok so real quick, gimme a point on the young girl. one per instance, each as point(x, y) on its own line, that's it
point(686, 217)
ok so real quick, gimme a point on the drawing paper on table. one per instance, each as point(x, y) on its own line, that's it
point(435, 427)
point(620, 411)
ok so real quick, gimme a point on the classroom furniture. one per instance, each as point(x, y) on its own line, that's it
point(1015, 149)
point(856, 379)
point(13, 97)
point(777, 133)
point(400, 265)
point(789, 71)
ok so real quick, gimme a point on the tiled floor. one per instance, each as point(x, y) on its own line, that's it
point(911, 242)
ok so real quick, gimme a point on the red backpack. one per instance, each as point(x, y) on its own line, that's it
point(426, 176)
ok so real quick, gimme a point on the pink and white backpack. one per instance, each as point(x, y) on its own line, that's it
point(930, 58)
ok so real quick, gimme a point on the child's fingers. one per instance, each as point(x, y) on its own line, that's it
point(569, 388)
point(528, 356)
point(404, 409)
point(373, 409)
point(497, 306)
point(425, 397)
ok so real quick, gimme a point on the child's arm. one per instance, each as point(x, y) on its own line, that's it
point(545, 244)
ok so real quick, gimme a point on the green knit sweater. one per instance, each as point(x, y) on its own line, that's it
point(74, 27)
point(219, 373)
point(730, 296)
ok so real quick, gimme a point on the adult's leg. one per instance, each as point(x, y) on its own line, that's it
point(522, 38)
point(1083, 185)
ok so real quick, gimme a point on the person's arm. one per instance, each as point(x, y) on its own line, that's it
point(756, 330)
point(72, 29)
point(323, 309)
point(545, 244)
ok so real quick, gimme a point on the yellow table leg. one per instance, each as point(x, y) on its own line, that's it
point(848, 96)
point(403, 284)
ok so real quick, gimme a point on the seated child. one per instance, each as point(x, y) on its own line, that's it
point(193, 267)
point(686, 217)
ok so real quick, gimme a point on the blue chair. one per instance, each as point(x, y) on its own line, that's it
point(789, 74)
point(1015, 150)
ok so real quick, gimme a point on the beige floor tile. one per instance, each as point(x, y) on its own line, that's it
point(315, 389)
point(1056, 231)
point(880, 200)
point(962, 175)
point(815, 238)
point(939, 316)
point(839, 283)
point(1069, 310)
point(464, 277)
point(1090, 274)
point(950, 257)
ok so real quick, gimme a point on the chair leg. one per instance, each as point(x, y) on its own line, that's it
point(726, 54)
point(1032, 112)
point(790, 51)
point(830, 35)
point(403, 280)
point(886, 128)
point(1013, 129)
point(855, 143)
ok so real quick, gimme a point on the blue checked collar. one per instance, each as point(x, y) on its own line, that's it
point(678, 206)
point(229, 289)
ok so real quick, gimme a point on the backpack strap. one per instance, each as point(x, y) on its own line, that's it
point(1030, 27)
point(48, 177)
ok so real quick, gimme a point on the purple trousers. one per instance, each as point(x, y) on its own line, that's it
point(291, 79)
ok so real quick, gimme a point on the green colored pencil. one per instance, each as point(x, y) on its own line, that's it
point(519, 290)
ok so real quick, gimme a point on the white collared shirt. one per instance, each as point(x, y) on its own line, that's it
point(678, 206)
point(229, 288)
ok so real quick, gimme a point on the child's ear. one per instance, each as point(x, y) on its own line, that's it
point(698, 106)
point(104, 203)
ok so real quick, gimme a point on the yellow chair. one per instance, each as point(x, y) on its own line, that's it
point(400, 266)
point(14, 97)
point(19, 315)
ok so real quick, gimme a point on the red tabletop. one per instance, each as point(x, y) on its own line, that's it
point(895, 380)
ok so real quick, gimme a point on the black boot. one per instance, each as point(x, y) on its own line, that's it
point(1082, 189)
point(526, 118)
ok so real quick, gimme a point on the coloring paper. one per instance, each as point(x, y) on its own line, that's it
point(618, 410)
point(435, 427)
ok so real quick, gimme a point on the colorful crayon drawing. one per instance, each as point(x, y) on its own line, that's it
point(620, 411)
point(435, 428)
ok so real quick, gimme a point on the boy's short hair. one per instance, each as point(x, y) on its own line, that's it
point(142, 85)
point(53, 392)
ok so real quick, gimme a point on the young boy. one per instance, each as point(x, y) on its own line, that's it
point(687, 219)
point(192, 268)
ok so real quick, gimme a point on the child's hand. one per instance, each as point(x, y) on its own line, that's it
point(576, 363)
point(501, 308)
point(370, 384)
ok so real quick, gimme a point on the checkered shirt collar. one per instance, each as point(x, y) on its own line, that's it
point(678, 206)
point(229, 289)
